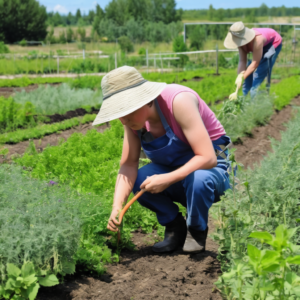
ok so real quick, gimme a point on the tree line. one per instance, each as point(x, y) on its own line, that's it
point(221, 14)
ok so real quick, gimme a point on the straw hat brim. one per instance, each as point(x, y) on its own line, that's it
point(128, 101)
point(233, 42)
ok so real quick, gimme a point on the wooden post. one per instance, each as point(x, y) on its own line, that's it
point(116, 62)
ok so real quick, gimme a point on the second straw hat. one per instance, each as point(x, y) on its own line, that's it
point(124, 91)
point(238, 36)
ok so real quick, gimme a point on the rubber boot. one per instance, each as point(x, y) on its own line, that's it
point(195, 241)
point(175, 234)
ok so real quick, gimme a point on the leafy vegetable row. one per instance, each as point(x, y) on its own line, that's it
point(44, 129)
point(265, 201)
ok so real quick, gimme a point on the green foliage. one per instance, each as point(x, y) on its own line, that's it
point(125, 44)
point(213, 88)
point(25, 81)
point(42, 130)
point(266, 274)
point(39, 223)
point(49, 100)
point(239, 117)
point(142, 51)
point(197, 37)
point(22, 283)
point(14, 115)
point(86, 82)
point(3, 48)
point(286, 90)
point(89, 164)
point(179, 44)
point(266, 198)
point(22, 20)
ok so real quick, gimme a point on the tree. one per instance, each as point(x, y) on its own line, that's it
point(197, 37)
point(69, 35)
point(22, 19)
point(78, 15)
point(179, 44)
point(210, 13)
point(99, 12)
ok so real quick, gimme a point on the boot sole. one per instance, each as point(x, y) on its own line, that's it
point(193, 252)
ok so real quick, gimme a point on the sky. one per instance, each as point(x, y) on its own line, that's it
point(64, 6)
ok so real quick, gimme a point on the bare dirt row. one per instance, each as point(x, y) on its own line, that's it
point(144, 275)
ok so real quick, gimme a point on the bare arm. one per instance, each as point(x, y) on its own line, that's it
point(127, 174)
point(186, 113)
point(242, 61)
point(257, 55)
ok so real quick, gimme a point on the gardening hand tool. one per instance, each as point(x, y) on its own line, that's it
point(123, 211)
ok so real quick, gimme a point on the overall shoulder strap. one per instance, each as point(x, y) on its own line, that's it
point(162, 117)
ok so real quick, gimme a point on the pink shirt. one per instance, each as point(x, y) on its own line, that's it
point(165, 101)
point(270, 34)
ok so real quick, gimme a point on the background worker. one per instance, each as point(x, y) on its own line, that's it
point(181, 135)
point(265, 45)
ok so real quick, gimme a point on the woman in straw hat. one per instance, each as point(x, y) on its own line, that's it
point(265, 45)
point(186, 144)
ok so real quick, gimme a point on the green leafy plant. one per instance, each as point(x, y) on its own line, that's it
point(43, 129)
point(23, 283)
point(267, 273)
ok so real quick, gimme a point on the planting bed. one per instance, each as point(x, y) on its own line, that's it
point(144, 275)
point(87, 164)
point(49, 140)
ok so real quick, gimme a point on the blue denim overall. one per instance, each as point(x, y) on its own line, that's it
point(263, 70)
point(197, 192)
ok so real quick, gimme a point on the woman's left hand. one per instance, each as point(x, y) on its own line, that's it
point(156, 183)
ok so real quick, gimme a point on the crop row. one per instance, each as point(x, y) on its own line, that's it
point(29, 109)
point(41, 130)
point(258, 265)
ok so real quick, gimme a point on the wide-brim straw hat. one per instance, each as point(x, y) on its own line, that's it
point(238, 36)
point(124, 91)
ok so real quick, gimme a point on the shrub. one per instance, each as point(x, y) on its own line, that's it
point(142, 51)
point(14, 115)
point(125, 44)
point(3, 48)
point(39, 223)
point(49, 100)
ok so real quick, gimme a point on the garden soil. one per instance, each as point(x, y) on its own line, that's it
point(142, 274)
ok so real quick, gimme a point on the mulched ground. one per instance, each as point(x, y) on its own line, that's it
point(144, 275)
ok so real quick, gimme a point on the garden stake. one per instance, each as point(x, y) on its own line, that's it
point(123, 211)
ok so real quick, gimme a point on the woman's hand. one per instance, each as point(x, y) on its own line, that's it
point(113, 222)
point(156, 183)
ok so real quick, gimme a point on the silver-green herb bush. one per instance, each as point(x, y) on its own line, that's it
point(266, 197)
point(90, 164)
point(49, 100)
point(40, 224)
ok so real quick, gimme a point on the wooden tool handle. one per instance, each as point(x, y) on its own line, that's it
point(123, 211)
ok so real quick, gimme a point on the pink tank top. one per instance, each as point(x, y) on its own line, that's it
point(270, 34)
point(165, 100)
